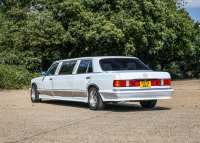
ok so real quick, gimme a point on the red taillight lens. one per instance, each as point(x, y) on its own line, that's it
point(167, 81)
point(131, 83)
point(135, 83)
point(119, 83)
point(156, 82)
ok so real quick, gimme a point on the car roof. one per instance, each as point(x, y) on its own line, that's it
point(96, 58)
point(96, 66)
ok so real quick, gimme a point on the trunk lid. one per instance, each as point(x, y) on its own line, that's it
point(144, 75)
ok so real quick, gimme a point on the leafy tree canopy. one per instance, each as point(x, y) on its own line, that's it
point(34, 33)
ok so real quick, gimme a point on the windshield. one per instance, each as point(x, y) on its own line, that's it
point(116, 64)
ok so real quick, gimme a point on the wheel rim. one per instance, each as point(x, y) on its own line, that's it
point(93, 98)
point(33, 94)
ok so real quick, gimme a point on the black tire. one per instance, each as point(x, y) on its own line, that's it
point(34, 94)
point(148, 103)
point(94, 100)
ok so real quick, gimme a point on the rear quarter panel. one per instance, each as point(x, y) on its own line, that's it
point(104, 81)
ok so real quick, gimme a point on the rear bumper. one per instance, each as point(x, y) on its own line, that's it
point(135, 95)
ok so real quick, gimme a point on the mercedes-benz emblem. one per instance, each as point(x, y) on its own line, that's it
point(145, 75)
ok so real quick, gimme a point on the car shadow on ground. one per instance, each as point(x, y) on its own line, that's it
point(119, 107)
point(66, 103)
point(130, 107)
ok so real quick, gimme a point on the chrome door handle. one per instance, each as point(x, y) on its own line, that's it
point(88, 77)
point(50, 78)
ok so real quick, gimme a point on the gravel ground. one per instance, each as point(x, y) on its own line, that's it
point(174, 120)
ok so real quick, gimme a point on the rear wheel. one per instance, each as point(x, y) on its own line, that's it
point(148, 103)
point(34, 94)
point(94, 100)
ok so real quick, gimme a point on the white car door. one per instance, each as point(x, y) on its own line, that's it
point(82, 78)
point(63, 82)
point(46, 83)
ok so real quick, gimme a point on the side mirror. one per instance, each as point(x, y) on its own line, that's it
point(43, 73)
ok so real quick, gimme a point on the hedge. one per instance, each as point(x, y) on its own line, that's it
point(15, 77)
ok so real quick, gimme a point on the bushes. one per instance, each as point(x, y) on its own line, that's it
point(15, 77)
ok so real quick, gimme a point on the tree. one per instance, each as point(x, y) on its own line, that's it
point(38, 32)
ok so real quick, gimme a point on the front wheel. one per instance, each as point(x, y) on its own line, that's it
point(34, 94)
point(148, 103)
point(94, 100)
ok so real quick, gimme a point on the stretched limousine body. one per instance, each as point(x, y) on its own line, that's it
point(99, 80)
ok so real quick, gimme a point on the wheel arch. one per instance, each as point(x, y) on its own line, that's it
point(34, 83)
point(92, 85)
point(100, 105)
point(95, 86)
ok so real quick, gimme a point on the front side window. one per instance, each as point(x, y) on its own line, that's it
point(67, 68)
point(116, 64)
point(85, 67)
point(52, 69)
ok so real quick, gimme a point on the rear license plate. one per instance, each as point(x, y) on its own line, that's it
point(145, 84)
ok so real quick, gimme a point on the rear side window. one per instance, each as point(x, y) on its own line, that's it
point(116, 64)
point(90, 70)
point(85, 67)
point(67, 68)
point(52, 69)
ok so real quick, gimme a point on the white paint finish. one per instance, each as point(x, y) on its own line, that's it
point(132, 95)
point(104, 80)
point(76, 67)
point(37, 81)
point(63, 82)
point(140, 75)
point(45, 83)
point(58, 68)
point(80, 82)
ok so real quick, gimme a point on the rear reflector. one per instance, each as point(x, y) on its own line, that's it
point(130, 83)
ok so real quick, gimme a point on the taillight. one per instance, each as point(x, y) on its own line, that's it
point(167, 81)
point(135, 82)
point(119, 83)
point(156, 82)
point(131, 83)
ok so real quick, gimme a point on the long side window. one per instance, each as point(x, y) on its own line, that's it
point(67, 68)
point(85, 67)
point(52, 69)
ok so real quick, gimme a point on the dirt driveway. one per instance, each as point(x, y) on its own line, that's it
point(175, 120)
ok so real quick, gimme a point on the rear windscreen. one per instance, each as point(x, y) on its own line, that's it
point(116, 64)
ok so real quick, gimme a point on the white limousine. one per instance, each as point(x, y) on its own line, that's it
point(100, 80)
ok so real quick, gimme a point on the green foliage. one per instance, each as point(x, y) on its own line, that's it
point(15, 77)
point(34, 33)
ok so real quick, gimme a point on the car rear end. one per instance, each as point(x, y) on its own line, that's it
point(133, 85)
